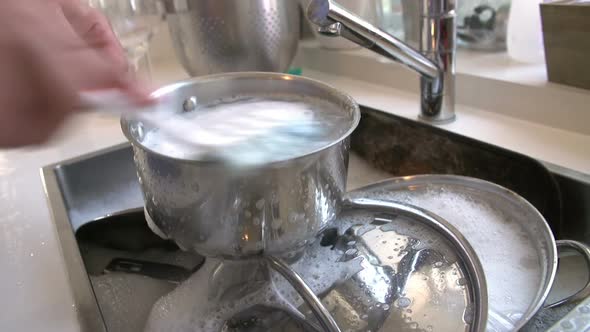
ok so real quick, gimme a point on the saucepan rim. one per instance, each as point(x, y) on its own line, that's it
point(163, 91)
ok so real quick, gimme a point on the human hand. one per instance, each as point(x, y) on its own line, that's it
point(52, 50)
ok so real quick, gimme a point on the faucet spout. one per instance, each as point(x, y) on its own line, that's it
point(435, 61)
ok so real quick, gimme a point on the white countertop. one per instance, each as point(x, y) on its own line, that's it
point(34, 287)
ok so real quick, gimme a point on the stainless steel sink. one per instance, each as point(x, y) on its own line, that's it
point(575, 196)
point(97, 204)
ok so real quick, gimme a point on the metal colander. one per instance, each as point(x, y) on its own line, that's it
point(216, 36)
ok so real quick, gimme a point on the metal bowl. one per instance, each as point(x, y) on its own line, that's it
point(217, 36)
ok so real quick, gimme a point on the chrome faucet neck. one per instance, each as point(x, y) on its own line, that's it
point(434, 61)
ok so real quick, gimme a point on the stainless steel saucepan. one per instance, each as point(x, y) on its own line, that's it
point(219, 210)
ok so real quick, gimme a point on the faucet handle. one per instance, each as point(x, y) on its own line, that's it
point(332, 30)
point(318, 11)
point(333, 20)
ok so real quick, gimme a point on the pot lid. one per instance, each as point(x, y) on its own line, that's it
point(416, 271)
point(383, 267)
point(510, 237)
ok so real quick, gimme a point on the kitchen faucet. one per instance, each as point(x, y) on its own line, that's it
point(435, 60)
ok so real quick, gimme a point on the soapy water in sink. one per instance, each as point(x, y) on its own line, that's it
point(247, 131)
point(506, 250)
point(125, 299)
point(190, 308)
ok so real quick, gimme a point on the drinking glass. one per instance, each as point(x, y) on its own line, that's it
point(134, 22)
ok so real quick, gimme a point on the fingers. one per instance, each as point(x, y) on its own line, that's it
point(44, 65)
point(34, 99)
point(110, 69)
point(90, 71)
point(95, 30)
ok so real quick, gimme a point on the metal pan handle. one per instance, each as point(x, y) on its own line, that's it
point(584, 250)
point(321, 313)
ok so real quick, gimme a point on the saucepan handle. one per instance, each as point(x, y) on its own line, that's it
point(584, 250)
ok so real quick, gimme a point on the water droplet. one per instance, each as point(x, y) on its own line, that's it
point(385, 307)
point(461, 282)
point(567, 325)
point(403, 302)
point(32, 254)
point(260, 204)
point(413, 325)
point(351, 252)
point(438, 264)
point(584, 309)
point(389, 257)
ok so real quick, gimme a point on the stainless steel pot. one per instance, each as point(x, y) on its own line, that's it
point(217, 210)
point(216, 36)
